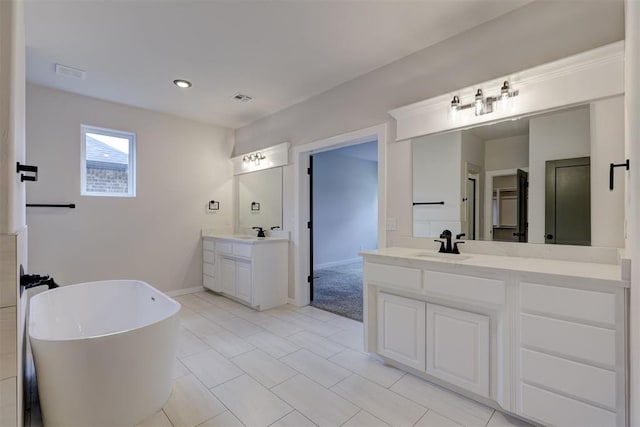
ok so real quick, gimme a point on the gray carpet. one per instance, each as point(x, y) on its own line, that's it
point(339, 290)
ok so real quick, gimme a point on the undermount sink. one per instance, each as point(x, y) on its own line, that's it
point(439, 255)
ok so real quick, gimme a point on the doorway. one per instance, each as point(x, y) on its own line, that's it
point(343, 206)
point(301, 189)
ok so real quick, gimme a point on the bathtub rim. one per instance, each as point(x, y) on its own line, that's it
point(176, 309)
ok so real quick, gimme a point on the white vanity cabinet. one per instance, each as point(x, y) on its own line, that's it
point(458, 348)
point(401, 329)
point(540, 339)
point(252, 271)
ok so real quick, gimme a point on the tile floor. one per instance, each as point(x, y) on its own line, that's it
point(296, 367)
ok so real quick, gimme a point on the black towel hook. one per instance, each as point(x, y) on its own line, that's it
point(611, 167)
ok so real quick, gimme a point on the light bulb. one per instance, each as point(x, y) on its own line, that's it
point(479, 102)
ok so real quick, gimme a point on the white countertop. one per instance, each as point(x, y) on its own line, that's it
point(609, 272)
point(239, 238)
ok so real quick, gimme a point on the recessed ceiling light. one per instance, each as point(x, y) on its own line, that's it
point(183, 84)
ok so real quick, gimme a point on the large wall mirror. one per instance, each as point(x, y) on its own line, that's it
point(537, 179)
point(260, 199)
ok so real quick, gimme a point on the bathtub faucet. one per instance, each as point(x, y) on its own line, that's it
point(28, 281)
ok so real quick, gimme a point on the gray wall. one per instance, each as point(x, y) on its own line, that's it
point(541, 32)
point(345, 207)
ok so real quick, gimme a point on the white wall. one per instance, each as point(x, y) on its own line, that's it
point(562, 135)
point(607, 146)
point(502, 46)
point(345, 207)
point(472, 155)
point(507, 153)
point(12, 209)
point(154, 237)
point(437, 177)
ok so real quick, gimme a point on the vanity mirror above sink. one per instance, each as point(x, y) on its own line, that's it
point(537, 179)
point(260, 199)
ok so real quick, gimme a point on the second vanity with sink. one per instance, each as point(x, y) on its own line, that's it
point(247, 269)
point(541, 338)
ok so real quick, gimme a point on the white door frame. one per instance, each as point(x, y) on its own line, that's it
point(300, 158)
point(488, 197)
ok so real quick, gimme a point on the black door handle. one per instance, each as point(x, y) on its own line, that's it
point(549, 236)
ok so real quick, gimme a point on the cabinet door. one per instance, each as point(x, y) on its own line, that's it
point(228, 276)
point(243, 280)
point(401, 330)
point(458, 348)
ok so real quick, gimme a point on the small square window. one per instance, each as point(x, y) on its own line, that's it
point(108, 162)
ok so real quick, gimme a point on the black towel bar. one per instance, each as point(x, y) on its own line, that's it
point(428, 203)
point(47, 205)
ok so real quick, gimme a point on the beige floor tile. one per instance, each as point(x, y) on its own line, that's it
point(179, 370)
point(294, 419)
point(379, 401)
point(368, 367)
point(365, 419)
point(273, 344)
point(346, 323)
point(191, 403)
point(351, 338)
point(201, 326)
point(315, 367)
point(194, 303)
point(280, 327)
point(211, 368)
point(503, 420)
point(217, 314)
point(159, 419)
point(317, 344)
point(316, 313)
point(451, 405)
point(228, 344)
point(264, 368)
point(241, 327)
point(318, 327)
point(315, 402)
point(189, 344)
point(226, 419)
point(434, 419)
point(251, 402)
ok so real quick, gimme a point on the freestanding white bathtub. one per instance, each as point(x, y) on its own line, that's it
point(103, 351)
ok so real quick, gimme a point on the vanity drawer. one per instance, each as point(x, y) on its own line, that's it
point(209, 269)
point(242, 250)
point(554, 409)
point(579, 304)
point(208, 245)
point(572, 378)
point(393, 275)
point(224, 247)
point(208, 257)
point(582, 342)
point(465, 287)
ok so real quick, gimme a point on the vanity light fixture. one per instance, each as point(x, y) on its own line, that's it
point(484, 105)
point(182, 84)
point(253, 157)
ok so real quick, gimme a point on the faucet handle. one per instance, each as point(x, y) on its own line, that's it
point(442, 248)
point(460, 236)
point(275, 227)
point(455, 247)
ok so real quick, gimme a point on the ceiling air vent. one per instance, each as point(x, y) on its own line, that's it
point(242, 98)
point(63, 70)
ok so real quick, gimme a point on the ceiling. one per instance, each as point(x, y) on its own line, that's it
point(501, 130)
point(279, 52)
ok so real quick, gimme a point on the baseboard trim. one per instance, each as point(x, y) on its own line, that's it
point(337, 263)
point(185, 291)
